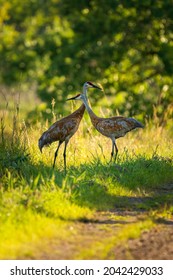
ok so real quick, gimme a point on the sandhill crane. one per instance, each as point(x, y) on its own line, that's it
point(62, 130)
point(112, 128)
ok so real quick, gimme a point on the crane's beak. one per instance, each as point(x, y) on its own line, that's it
point(74, 98)
point(94, 86)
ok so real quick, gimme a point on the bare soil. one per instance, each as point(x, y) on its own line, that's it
point(157, 244)
point(88, 239)
point(154, 244)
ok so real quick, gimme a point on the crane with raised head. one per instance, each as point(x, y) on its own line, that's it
point(113, 128)
point(63, 129)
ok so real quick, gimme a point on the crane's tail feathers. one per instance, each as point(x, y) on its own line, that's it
point(136, 123)
point(140, 125)
point(40, 145)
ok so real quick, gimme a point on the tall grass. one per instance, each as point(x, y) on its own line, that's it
point(37, 202)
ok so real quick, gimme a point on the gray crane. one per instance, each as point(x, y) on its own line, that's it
point(63, 129)
point(112, 128)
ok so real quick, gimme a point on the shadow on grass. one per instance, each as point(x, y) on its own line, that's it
point(137, 184)
point(146, 182)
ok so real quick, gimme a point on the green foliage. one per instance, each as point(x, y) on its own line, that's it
point(59, 44)
point(38, 203)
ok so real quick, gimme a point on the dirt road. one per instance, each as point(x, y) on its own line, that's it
point(98, 239)
point(117, 234)
point(157, 244)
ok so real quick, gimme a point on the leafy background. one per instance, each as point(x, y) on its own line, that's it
point(55, 46)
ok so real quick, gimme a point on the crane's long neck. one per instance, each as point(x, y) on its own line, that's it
point(84, 91)
point(85, 99)
point(88, 108)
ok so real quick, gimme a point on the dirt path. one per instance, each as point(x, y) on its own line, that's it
point(97, 239)
point(156, 244)
point(111, 235)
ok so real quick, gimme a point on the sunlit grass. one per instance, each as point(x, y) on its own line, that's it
point(37, 202)
point(20, 235)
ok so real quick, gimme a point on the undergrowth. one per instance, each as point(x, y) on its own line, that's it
point(38, 202)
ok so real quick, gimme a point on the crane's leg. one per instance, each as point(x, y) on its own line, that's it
point(116, 150)
point(112, 153)
point(56, 153)
point(114, 147)
point(64, 154)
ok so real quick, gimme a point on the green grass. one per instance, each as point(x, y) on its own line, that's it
point(38, 203)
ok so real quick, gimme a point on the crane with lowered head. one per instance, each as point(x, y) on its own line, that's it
point(63, 129)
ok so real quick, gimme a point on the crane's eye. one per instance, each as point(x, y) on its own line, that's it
point(89, 83)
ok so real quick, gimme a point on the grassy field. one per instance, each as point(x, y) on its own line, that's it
point(39, 204)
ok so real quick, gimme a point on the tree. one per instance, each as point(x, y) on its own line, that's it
point(127, 46)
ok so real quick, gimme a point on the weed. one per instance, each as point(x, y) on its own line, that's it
point(37, 202)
